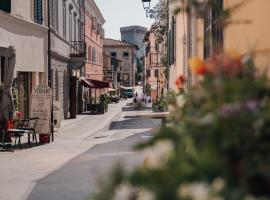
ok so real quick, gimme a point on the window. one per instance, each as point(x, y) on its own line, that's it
point(64, 19)
point(148, 73)
point(156, 73)
point(125, 54)
point(75, 27)
point(119, 78)
point(38, 14)
point(54, 14)
point(113, 54)
point(70, 25)
point(172, 35)
point(89, 54)
point(5, 5)
point(94, 56)
point(126, 78)
point(213, 29)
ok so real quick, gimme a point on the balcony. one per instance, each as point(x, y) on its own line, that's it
point(77, 49)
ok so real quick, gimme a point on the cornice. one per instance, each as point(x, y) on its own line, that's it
point(21, 21)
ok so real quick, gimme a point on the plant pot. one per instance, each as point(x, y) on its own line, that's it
point(44, 138)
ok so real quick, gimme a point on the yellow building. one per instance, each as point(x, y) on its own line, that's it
point(191, 34)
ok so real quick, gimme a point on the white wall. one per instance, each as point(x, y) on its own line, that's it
point(28, 39)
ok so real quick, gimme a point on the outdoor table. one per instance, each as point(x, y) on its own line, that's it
point(18, 133)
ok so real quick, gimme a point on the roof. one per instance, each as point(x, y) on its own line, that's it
point(112, 42)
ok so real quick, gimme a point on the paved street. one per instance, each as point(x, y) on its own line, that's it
point(84, 149)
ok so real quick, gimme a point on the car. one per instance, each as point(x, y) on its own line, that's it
point(128, 93)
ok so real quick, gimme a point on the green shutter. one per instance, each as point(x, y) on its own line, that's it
point(38, 16)
point(5, 5)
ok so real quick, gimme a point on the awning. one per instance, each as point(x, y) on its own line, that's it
point(90, 83)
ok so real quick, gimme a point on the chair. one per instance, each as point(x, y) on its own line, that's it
point(19, 132)
point(31, 128)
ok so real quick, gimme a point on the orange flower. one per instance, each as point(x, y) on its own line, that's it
point(197, 66)
point(180, 81)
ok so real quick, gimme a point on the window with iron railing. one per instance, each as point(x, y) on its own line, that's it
point(213, 28)
point(5, 5)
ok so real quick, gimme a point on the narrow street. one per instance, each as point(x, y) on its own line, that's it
point(84, 150)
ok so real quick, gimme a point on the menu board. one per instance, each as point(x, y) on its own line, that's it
point(41, 107)
point(57, 114)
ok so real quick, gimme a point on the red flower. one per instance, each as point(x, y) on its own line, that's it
point(10, 124)
point(180, 81)
point(19, 115)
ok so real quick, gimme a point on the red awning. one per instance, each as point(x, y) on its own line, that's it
point(90, 83)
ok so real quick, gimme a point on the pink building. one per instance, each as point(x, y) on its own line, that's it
point(154, 68)
point(94, 34)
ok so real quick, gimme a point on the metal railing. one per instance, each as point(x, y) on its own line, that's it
point(77, 48)
point(155, 59)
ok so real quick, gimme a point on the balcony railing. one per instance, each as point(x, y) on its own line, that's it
point(77, 48)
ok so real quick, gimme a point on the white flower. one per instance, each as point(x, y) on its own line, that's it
point(200, 191)
point(250, 197)
point(207, 119)
point(218, 185)
point(158, 155)
point(196, 191)
point(146, 195)
point(180, 100)
point(124, 192)
point(184, 191)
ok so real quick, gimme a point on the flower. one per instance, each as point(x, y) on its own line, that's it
point(19, 115)
point(218, 185)
point(145, 195)
point(197, 66)
point(180, 81)
point(124, 192)
point(158, 155)
point(180, 100)
point(196, 191)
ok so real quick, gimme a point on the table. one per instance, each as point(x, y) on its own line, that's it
point(18, 133)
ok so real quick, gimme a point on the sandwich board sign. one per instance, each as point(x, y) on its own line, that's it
point(41, 107)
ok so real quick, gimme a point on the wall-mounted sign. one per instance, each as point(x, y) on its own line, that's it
point(41, 107)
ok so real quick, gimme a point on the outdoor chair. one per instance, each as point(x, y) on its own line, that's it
point(19, 132)
point(31, 128)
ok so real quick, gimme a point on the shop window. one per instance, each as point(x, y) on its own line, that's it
point(5, 5)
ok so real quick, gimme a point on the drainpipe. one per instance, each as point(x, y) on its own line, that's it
point(49, 65)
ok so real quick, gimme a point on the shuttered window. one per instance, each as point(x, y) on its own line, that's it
point(38, 14)
point(5, 5)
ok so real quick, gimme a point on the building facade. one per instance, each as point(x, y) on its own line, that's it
point(67, 51)
point(155, 80)
point(125, 52)
point(23, 25)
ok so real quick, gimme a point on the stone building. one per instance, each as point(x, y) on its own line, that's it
point(125, 52)
point(134, 35)
point(23, 25)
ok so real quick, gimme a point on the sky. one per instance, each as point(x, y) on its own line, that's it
point(118, 13)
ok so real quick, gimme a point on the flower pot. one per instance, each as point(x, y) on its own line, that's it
point(44, 138)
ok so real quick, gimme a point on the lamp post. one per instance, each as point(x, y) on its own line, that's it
point(147, 7)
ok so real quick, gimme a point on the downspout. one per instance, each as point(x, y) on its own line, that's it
point(49, 65)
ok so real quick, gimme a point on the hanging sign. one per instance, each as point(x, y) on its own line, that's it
point(41, 107)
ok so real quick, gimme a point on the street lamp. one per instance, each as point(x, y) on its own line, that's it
point(146, 4)
point(149, 12)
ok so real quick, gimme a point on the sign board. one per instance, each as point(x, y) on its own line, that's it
point(41, 107)
point(57, 114)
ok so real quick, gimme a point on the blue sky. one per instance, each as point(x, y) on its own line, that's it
point(118, 13)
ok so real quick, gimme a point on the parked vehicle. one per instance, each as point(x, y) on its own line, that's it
point(114, 99)
point(128, 93)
